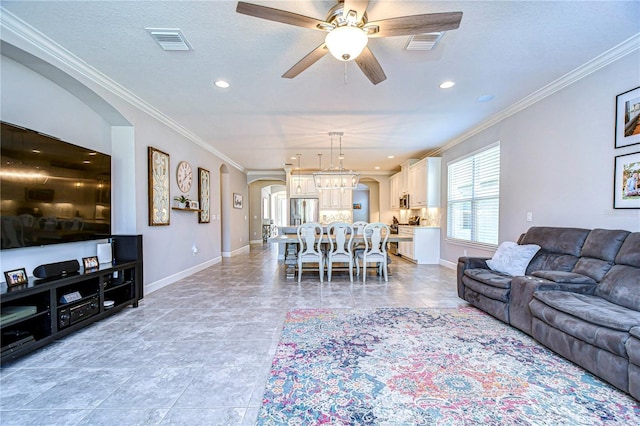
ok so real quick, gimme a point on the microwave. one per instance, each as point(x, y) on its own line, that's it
point(404, 201)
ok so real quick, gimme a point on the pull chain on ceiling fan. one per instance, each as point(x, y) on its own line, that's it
point(349, 31)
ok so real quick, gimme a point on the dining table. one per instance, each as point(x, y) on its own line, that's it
point(289, 242)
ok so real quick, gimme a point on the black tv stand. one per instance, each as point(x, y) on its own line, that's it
point(35, 314)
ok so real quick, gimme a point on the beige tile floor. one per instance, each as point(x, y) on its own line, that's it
point(197, 352)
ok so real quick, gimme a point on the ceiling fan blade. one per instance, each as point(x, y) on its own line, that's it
point(278, 15)
point(307, 61)
point(417, 24)
point(360, 6)
point(370, 66)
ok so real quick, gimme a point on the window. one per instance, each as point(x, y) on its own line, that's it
point(473, 199)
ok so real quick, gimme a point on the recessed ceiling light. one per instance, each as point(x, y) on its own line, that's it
point(377, 167)
point(87, 162)
point(447, 84)
point(93, 153)
point(222, 84)
point(390, 156)
point(293, 158)
point(35, 151)
point(485, 98)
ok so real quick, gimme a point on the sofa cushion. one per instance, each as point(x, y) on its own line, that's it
point(635, 331)
point(492, 278)
point(489, 291)
point(545, 261)
point(591, 308)
point(599, 251)
point(629, 253)
point(621, 286)
point(594, 268)
point(563, 277)
point(603, 244)
point(512, 258)
point(608, 339)
point(557, 240)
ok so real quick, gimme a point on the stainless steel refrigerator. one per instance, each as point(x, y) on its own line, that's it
point(304, 210)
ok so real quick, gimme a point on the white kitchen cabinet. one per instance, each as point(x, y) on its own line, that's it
point(307, 186)
point(394, 186)
point(425, 247)
point(424, 183)
point(404, 176)
point(336, 199)
point(405, 249)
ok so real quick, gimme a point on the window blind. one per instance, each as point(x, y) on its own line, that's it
point(473, 200)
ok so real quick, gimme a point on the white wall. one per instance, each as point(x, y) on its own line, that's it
point(25, 100)
point(557, 159)
point(34, 101)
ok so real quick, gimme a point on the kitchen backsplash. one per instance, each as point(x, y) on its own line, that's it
point(428, 216)
point(329, 216)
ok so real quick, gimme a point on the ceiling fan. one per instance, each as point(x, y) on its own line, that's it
point(349, 30)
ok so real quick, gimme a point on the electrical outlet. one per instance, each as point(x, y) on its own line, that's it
point(529, 216)
point(465, 252)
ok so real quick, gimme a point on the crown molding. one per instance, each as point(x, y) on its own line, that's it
point(628, 46)
point(14, 25)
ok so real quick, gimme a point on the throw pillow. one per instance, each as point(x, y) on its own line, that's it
point(512, 258)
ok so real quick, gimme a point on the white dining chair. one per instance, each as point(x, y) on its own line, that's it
point(358, 228)
point(340, 243)
point(310, 250)
point(375, 240)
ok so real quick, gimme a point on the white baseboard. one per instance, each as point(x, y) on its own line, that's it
point(448, 264)
point(241, 250)
point(157, 285)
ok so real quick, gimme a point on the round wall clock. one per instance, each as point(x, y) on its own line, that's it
point(184, 176)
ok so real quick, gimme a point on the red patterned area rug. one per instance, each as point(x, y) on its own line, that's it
point(397, 366)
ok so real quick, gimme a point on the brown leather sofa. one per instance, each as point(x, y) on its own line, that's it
point(579, 296)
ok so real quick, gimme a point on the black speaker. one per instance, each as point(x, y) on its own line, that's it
point(127, 247)
point(56, 269)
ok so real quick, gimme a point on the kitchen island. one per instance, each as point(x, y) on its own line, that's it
point(288, 245)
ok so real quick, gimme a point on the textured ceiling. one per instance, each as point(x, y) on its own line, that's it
point(506, 49)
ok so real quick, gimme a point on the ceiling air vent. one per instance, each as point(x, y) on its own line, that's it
point(426, 41)
point(169, 38)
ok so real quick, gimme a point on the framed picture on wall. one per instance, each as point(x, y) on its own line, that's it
point(626, 186)
point(628, 118)
point(204, 185)
point(159, 202)
point(237, 201)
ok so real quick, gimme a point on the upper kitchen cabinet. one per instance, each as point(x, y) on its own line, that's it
point(399, 183)
point(336, 199)
point(306, 184)
point(424, 183)
point(394, 186)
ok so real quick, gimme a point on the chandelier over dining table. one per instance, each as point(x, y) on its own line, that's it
point(336, 177)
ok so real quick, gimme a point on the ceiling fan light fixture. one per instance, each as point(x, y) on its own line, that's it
point(346, 42)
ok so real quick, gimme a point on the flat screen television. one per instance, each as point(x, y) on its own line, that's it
point(51, 191)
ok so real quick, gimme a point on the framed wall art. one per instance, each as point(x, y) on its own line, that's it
point(628, 118)
point(16, 277)
point(626, 181)
point(237, 201)
point(159, 202)
point(204, 191)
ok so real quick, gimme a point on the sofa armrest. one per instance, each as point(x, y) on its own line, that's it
point(465, 263)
